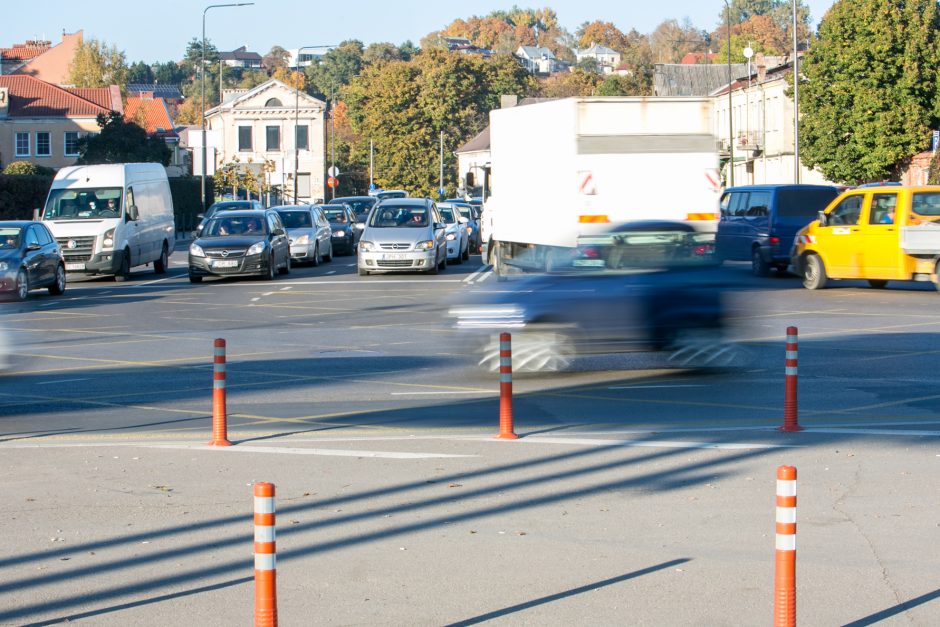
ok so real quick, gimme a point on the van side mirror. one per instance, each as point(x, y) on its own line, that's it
point(132, 214)
point(823, 218)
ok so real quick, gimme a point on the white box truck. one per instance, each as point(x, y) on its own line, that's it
point(113, 217)
point(576, 166)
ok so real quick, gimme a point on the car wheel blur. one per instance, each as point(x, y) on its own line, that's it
point(541, 349)
point(814, 273)
point(286, 268)
point(703, 349)
point(759, 266)
point(329, 256)
point(195, 279)
point(878, 284)
point(22, 285)
point(315, 260)
point(269, 271)
point(58, 286)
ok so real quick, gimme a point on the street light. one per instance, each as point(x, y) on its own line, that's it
point(796, 104)
point(297, 119)
point(730, 112)
point(202, 192)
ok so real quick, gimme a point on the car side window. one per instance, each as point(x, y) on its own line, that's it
point(738, 204)
point(725, 204)
point(32, 238)
point(758, 204)
point(847, 212)
point(45, 238)
point(272, 222)
point(882, 209)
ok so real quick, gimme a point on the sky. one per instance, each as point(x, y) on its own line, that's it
point(151, 32)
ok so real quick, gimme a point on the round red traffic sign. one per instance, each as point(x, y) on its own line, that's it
point(331, 182)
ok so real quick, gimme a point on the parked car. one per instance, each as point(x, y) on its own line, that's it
point(346, 230)
point(30, 258)
point(240, 243)
point(309, 233)
point(405, 235)
point(640, 286)
point(456, 235)
point(361, 205)
point(758, 222)
point(226, 205)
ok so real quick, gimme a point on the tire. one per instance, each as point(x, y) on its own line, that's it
point(878, 284)
point(363, 272)
point(195, 279)
point(466, 253)
point(161, 264)
point(814, 273)
point(124, 272)
point(270, 272)
point(286, 268)
point(498, 269)
point(315, 261)
point(329, 258)
point(459, 259)
point(58, 286)
point(22, 285)
point(443, 265)
point(759, 267)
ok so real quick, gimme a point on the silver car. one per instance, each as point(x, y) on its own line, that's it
point(457, 233)
point(309, 232)
point(403, 234)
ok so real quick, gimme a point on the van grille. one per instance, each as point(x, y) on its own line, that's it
point(80, 250)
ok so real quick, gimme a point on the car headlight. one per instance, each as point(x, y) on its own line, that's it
point(108, 241)
point(4, 266)
point(196, 250)
point(450, 236)
point(425, 245)
point(366, 246)
point(255, 249)
point(339, 233)
point(303, 239)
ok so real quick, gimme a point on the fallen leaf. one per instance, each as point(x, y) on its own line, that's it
point(455, 485)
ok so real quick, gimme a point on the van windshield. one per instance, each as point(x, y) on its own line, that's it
point(93, 203)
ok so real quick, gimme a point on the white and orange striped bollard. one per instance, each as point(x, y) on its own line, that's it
point(219, 417)
point(265, 557)
point(785, 562)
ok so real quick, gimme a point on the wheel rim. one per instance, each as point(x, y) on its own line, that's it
point(60, 278)
point(22, 285)
point(812, 272)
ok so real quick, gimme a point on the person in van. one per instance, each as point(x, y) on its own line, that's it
point(883, 209)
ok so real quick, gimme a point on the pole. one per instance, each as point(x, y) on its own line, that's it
point(730, 111)
point(333, 141)
point(219, 418)
point(297, 120)
point(790, 419)
point(371, 163)
point(265, 556)
point(796, 103)
point(506, 431)
point(785, 561)
point(440, 187)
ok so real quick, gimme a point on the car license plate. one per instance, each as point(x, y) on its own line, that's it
point(589, 263)
point(227, 263)
point(74, 266)
point(392, 256)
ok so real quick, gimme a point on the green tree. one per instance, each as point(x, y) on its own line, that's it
point(870, 88)
point(336, 68)
point(121, 142)
point(381, 51)
point(569, 84)
point(168, 73)
point(26, 168)
point(96, 64)
point(139, 72)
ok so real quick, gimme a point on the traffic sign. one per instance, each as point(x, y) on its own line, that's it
point(332, 182)
point(935, 141)
point(333, 171)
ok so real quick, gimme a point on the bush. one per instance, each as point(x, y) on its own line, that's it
point(25, 168)
point(21, 193)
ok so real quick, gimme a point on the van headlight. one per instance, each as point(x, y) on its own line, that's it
point(108, 241)
point(425, 245)
point(366, 247)
point(255, 249)
point(196, 250)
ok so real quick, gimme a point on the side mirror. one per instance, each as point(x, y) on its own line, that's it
point(440, 225)
point(33, 246)
point(277, 232)
point(200, 216)
point(462, 220)
point(823, 218)
point(360, 226)
point(132, 214)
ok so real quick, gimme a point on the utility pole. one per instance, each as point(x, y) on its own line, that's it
point(371, 164)
point(440, 189)
point(333, 142)
point(796, 103)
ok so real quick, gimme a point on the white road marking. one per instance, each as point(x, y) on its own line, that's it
point(256, 298)
point(856, 431)
point(478, 272)
point(284, 289)
point(332, 272)
point(444, 392)
point(653, 444)
point(62, 381)
point(152, 282)
point(485, 276)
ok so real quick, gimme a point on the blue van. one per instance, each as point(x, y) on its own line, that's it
point(758, 222)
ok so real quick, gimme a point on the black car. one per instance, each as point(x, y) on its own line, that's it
point(30, 259)
point(226, 205)
point(240, 243)
point(361, 205)
point(641, 286)
point(346, 230)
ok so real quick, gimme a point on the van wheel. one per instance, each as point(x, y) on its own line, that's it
point(878, 284)
point(759, 267)
point(315, 261)
point(124, 272)
point(22, 285)
point(58, 286)
point(195, 279)
point(161, 264)
point(497, 261)
point(814, 273)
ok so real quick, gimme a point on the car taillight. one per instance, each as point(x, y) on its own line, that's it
point(774, 240)
point(703, 249)
point(590, 253)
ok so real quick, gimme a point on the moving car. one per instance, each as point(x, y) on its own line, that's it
point(225, 205)
point(361, 205)
point(30, 258)
point(346, 230)
point(240, 243)
point(404, 234)
point(113, 217)
point(758, 222)
point(458, 240)
point(309, 233)
point(640, 286)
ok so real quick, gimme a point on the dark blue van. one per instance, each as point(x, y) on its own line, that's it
point(758, 222)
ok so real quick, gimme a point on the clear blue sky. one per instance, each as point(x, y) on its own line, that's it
point(159, 31)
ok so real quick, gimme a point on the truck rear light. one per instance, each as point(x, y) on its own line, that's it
point(593, 219)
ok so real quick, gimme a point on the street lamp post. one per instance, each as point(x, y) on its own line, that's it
point(297, 120)
point(730, 111)
point(202, 192)
point(796, 103)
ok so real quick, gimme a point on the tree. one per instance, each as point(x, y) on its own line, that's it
point(168, 73)
point(602, 34)
point(193, 58)
point(26, 168)
point(297, 80)
point(276, 59)
point(140, 72)
point(569, 84)
point(336, 68)
point(671, 41)
point(870, 90)
point(121, 142)
point(377, 52)
point(767, 27)
point(96, 64)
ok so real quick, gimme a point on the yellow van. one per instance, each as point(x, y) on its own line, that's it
point(883, 233)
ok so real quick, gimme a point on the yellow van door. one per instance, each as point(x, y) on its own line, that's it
point(838, 241)
point(881, 239)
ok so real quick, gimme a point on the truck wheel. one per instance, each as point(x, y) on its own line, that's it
point(496, 255)
point(160, 265)
point(814, 273)
point(759, 267)
point(878, 284)
point(124, 272)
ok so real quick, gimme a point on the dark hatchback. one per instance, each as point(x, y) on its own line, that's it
point(226, 205)
point(240, 243)
point(30, 259)
point(346, 229)
point(361, 205)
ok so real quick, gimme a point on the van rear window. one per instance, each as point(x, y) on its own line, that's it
point(803, 203)
point(926, 204)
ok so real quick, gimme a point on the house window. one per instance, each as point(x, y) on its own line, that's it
point(71, 144)
point(244, 139)
point(22, 144)
point(272, 138)
point(43, 144)
point(273, 102)
point(302, 137)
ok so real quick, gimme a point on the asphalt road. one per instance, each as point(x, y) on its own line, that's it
point(639, 494)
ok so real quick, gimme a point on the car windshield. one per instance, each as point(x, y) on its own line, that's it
point(466, 212)
point(296, 219)
point(229, 206)
point(384, 195)
point(448, 214)
point(83, 204)
point(10, 237)
point(360, 206)
point(335, 215)
point(223, 226)
point(393, 216)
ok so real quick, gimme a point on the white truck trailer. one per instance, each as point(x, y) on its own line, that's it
point(576, 166)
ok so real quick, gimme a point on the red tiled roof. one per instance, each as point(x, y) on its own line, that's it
point(692, 58)
point(152, 114)
point(25, 51)
point(107, 97)
point(33, 98)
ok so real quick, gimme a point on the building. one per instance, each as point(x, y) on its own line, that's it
point(241, 58)
point(472, 159)
point(607, 59)
point(153, 115)
point(676, 79)
point(42, 60)
point(170, 93)
point(41, 123)
point(271, 122)
point(537, 60)
point(298, 60)
point(14, 57)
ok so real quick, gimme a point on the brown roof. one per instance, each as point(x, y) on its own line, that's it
point(25, 51)
point(107, 97)
point(480, 142)
point(33, 98)
point(152, 114)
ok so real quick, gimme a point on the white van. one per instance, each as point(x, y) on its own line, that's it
point(110, 218)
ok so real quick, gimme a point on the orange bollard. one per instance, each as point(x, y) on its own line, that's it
point(265, 557)
point(790, 421)
point(505, 388)
point(219, 419)
point(785, 564)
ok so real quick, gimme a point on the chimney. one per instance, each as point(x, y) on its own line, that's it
point(761, 62)
point(507, 101)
